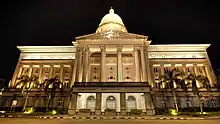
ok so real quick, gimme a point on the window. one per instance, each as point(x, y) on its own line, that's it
point(90, 103)
point(131, 103)
point(111, 102)
point(14, 103)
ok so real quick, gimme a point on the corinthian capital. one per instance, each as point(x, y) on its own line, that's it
point(119, 48)
point(102, 47)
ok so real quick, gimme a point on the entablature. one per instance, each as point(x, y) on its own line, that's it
point(47, 49)
point(47, 56)
point(178, 47)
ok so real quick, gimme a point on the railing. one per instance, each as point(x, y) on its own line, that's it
point(111, 84)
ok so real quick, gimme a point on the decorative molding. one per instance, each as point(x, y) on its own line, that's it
point(47, 56)
point(178, 47)
point(185, 55)
point(48, 49)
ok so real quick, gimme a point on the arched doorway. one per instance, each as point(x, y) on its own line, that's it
point(131, 103)
point(111, 102)
point(90, 103)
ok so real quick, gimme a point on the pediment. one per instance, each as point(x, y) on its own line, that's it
point(111, 35)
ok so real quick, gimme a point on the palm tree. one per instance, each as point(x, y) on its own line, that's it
point(52, 84)
point(205, 82)
point(167, 81)
point(28, 83)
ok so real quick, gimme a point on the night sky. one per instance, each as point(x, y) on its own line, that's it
point(58, 22)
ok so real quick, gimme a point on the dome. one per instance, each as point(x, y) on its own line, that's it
point(111, 21)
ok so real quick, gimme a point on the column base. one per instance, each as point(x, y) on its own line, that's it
point(72, 112)
point(98, 112)
point(150, 112)
point(123, 112)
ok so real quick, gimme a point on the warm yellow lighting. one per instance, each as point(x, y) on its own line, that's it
point(189, 64)
point(200, 64)
point(26, 66)
point(67, 66)
point(46, 66)
point(29, 111)
point(56, 66)
point(173, 112)
point(174, 84)
point(37, 66)
point(166, 65)
point(156, 65)
point(178, 64)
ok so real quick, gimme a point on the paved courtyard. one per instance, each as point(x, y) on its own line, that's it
point(70, 121)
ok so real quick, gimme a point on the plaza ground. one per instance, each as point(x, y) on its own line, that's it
point(71, 121)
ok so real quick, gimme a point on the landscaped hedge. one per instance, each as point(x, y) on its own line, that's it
point(110, 110)
point(84, 110)
point(135, 112)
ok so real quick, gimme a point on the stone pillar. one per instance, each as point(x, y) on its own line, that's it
point(162, 69)
point(73, 104)
point(51, 71)
point(40, 73)
point(149, 104)
point(143, 63)
point(209, 75)
point(203, 71)
point(85, 68)
point(195, 70)
point(61, 73)
point(136, 62)
point(75, 67)
point(79, 66)
point(102, 63)
point(30, 71)
point(184, 68)
point(98, 103)
point(122, 104)
point(148, 68)
point(119, 63)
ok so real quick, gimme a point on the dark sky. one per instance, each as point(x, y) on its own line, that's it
point(57, 22)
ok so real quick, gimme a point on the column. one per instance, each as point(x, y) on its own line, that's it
point(162, 69)
point(51, 71)
point(136, 61)
point(143, 63)
point(75, 67)
point(79, 67)
point(98, 103)
point(203, 71)
point(149, 104)
point(85, 68)
point(40, 73)
point(148, 68)
point(30, 71)
point(61, 73)
point(119, 63)
point(195, 70)
point(184, 68)
point(122, 104)
point(208, 73)
point(73, 104)
point(102, 63)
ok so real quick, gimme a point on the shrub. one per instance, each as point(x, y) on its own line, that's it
point(110, 110)
point(84, 110)
point(136, 112)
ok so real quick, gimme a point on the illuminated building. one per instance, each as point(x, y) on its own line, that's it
point(112, 69)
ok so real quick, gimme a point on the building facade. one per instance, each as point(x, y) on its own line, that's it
point(111, 69)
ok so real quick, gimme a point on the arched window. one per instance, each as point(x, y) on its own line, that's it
point(111, 102)
point(90, 103)
point(131, 103)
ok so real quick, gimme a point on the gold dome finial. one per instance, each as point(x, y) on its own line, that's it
point(111, 11)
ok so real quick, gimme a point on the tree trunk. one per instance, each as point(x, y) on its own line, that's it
point(200, 104)
point(25, 102)
point(175, 100)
